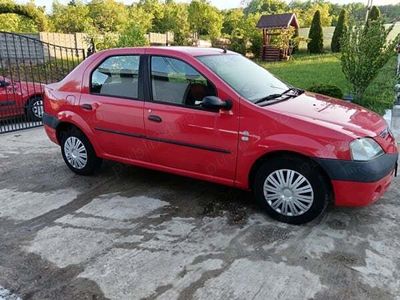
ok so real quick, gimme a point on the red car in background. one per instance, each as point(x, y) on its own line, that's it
point(214, 115)
point(20, 98)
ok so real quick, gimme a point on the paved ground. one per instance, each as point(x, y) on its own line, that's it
point(129, 233)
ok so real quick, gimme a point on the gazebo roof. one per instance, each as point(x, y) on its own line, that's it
point(278, 21)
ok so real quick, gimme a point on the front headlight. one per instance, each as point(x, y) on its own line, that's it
point(365, 149)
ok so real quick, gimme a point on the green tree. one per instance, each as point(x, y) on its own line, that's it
point(356, 11)
point(141, 17)
point(205, 19)
point(307, 16)
point(254, 35)
point(238, 41)
point(17, 23)
point(71, 18)
point(316, 43)
point(391, 13)
point(156, 9)
point(108, 15)
point(132, 36)
point(374, 14)
point(305, 11)
point(334, 11)
point(176, 19)
point(244, 34)
point(364, 53)
point(29, 11)
point(232, 20)
point(340, 29)
point(295, 41)
point(265, 6)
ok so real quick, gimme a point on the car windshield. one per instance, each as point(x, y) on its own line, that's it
point(246, 77)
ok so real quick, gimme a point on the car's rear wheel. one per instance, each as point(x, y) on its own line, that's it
point(78, 152)
point(34, 109)
point(291, 189)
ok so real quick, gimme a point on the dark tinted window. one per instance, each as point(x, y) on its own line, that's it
point(174, 81)
point(117, 76)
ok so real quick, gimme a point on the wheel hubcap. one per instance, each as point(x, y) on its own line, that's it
point(288, 193)
point(75, 152)
point(37, 109)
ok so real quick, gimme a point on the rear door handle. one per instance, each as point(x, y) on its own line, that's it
point(86, 107)
point(154, 118)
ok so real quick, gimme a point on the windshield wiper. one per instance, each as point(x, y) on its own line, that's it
point(277, 96)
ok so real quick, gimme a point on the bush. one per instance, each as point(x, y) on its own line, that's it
point(133, 36)
point(316, 36)
point(239, 46)
point(238, 42)
point(256, 41)
point(328, 90)
point(295, 41)
point(341, 27)
point(365, 51)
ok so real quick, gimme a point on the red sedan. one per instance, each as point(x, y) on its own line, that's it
point(21, 98)
point(214, 115)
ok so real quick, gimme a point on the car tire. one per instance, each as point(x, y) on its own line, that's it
point(34, 109)
point(292, 190)
point(78, 153)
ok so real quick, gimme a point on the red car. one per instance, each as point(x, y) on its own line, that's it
point(214, 115)
point(21, 98)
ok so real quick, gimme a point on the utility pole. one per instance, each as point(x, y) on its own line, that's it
point(398, 63)
point(369, 6)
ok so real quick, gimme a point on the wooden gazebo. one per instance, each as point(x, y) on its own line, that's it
point(271, 25)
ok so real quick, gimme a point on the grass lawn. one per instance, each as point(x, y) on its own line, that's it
point(304, 71)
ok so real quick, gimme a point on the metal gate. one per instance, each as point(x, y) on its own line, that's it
point(26, 65)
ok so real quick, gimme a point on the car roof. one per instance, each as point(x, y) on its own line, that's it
point(193, 51)
point(165, 50)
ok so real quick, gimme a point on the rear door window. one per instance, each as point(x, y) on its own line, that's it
point(117, 76)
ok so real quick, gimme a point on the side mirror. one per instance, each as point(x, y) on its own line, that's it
point(215, 103)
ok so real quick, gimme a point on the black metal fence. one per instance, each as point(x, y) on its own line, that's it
point(26, 65)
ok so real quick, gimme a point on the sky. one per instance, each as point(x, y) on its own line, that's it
point(222, 4)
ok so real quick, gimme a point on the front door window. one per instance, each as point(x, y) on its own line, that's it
point(176, 82)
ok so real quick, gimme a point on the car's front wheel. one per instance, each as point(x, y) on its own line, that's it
point(291, 189)
point(78, 153)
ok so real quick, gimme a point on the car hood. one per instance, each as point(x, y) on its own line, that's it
point(336, 114)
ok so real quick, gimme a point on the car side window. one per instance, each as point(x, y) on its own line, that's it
point(4, 83)
point(176, 82)
point(117, 76)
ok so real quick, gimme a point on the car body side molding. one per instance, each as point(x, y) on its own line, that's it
point(167, 141)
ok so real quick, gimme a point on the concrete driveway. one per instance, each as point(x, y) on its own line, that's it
point(130, 233)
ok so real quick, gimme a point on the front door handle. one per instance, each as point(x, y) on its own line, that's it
point(154, 118)
point(86, 107)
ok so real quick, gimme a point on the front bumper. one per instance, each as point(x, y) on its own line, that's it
point(348, 193)
point(360, 183)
